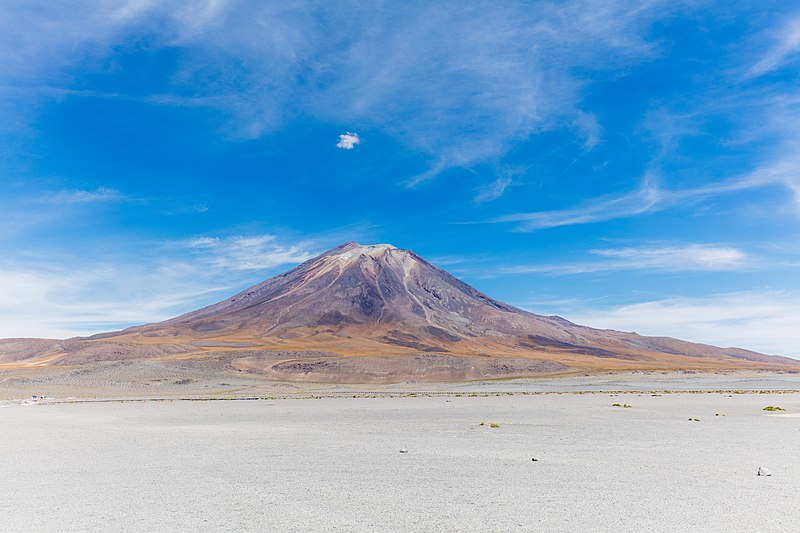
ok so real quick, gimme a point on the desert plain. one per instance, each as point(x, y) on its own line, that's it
point(254, 456)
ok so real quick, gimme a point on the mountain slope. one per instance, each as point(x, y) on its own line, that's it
point(377, 312)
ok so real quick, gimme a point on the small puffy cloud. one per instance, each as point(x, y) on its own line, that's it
point(348, 141)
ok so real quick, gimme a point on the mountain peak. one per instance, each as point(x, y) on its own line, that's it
point(380, 302)
point(353, 249)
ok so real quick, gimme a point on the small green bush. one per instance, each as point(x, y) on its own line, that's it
point(773, 408)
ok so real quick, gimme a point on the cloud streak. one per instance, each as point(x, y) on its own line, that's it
point(786, 43)
point(493, 190)
point(27, 208)
point(79, 196)
point(685, 258)
point(647, 198)
point(650, 197)
point(257, 252)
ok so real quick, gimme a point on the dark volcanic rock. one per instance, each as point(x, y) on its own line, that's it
point(537, 341)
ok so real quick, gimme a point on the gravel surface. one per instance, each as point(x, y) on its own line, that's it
point(334, 464)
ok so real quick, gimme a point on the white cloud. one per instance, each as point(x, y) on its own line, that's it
point(71, 295)
point(589, 127)
point(764, 321)
point(80, 196)
point(684, 258)
point(783, 171)
point(691, 257)
point(786, 43)
point(649, 197)
point(26, 207)
point(763, 131)
point(61, 302)
point(257, 252)
point(348, 141)
point(492, 191)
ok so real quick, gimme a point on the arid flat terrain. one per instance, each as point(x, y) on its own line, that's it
point(335, 463)
point(184, 379)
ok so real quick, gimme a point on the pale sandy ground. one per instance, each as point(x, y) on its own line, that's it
point(333, 464)
point(154, 379)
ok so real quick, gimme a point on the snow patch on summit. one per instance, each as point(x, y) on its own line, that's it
point(372, 250)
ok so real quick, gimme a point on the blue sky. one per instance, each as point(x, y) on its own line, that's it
point(625, 165)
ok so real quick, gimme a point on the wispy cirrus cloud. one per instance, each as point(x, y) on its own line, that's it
point(256, 252)
point(460, 84)
point(79, 196)
point(589, 127)
point(785, 47)
point(676, 258)
point(650, 197)
point(493, 190)
point(693, 256)
point(27, 208)
point(760, 129)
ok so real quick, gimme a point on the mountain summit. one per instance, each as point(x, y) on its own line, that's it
point(377, 312)
point(374, 291)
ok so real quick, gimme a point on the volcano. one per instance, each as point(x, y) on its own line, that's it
point(363, 313)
